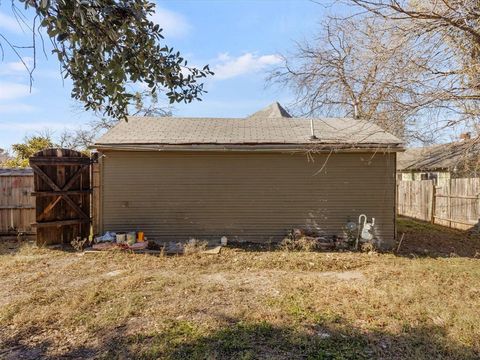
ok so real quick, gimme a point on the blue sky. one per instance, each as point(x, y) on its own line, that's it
point(239, 39)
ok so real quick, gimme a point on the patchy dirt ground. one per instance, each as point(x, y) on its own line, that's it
point(243, 303)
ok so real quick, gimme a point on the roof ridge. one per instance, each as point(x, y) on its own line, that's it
point(274, 110)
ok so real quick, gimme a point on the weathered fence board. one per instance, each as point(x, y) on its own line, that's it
point(17, 207)
point(415, 199)
point(455, 204)
point(459, 204)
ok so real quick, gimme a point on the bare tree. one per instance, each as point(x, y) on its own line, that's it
point(145, 104)
point(456, 21)
point(447, 32)
point(415, 77)
point(79, 139)
point(359, 68)
point(4, 156)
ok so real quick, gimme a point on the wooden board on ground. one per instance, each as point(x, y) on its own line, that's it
point(91, 251)
point(214, 251)
point(167, 250)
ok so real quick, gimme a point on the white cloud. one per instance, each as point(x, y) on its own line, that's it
point(11, 90)
point(32, 126)
point(9, 93)
point(9, 23)
point(16, 108)
point(16, 66)
point(227, 67)
point(174, 25)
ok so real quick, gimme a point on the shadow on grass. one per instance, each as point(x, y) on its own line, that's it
point(12, 245)
point(421, 239)
point(255, 247)
point(424, 239)
point(238, 340)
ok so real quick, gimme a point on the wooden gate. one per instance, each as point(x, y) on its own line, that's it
point(62, 190)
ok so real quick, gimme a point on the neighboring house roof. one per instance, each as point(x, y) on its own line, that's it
point(16, 172)
point(270, 126)
point(438, 157)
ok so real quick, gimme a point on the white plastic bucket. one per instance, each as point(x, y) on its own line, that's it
point(121, 238)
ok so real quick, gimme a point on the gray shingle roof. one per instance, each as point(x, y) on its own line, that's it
point(272, 125)
point(439, 157)
point(274, 110)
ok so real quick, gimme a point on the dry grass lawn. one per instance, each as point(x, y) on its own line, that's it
point(243, 304)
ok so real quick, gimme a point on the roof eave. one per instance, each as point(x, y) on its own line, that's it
point(422, 169)
point(317, 147)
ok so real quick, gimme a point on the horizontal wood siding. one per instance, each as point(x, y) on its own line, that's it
point(245, 196)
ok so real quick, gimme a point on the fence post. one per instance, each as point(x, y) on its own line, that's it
point(449, 203)
point(434, 202)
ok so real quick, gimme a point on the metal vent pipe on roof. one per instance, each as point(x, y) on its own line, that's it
point(312, 130)
point(355, 110)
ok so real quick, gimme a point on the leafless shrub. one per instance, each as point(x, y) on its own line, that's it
point(194, 246)
point(79, 244)
point(304, 243)
point(368, 247)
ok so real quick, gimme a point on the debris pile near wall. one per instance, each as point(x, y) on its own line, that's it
point(309, 240)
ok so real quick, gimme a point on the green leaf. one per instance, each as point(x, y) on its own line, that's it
point(107, 46)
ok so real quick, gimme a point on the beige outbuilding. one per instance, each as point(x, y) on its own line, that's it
point(249, 179)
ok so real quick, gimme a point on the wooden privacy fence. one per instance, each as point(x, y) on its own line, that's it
point(415, 199)
point(17, 206)
point(455, 204)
